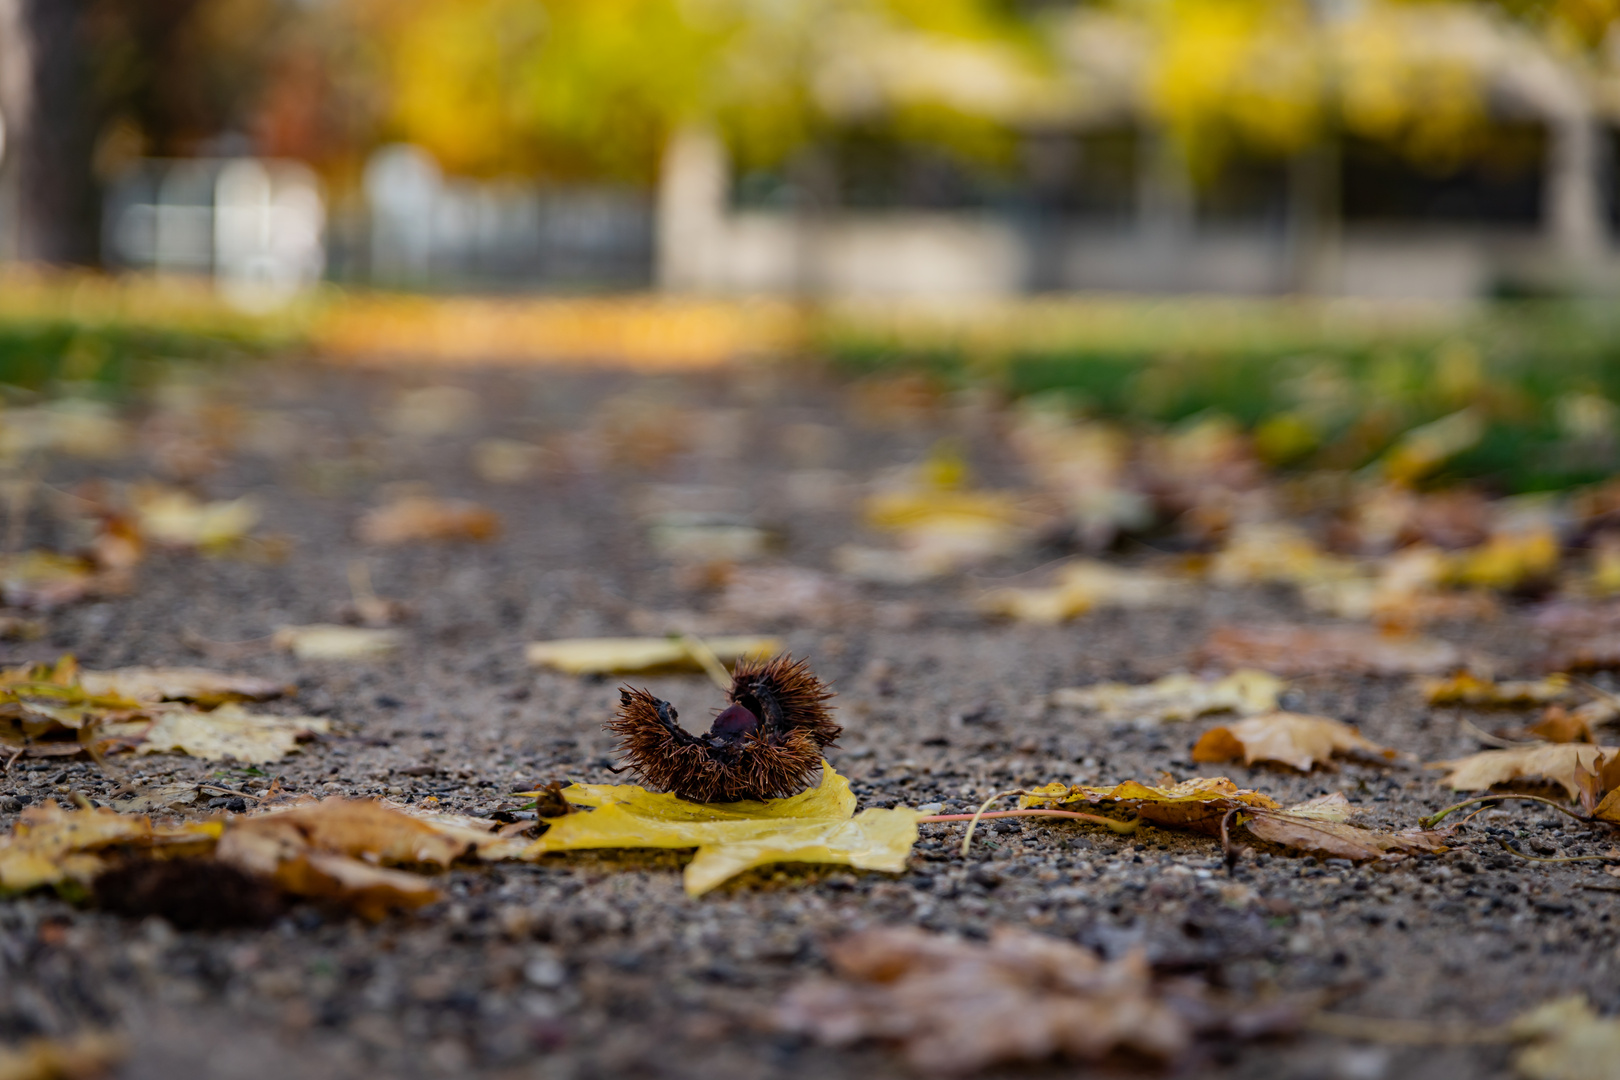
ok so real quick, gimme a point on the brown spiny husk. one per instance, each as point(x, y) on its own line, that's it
point(775, 759)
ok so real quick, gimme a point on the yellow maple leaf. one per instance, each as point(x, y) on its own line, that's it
point(819, 825)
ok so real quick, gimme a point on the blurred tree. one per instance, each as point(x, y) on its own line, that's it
point(595, 87)
point(49, 204)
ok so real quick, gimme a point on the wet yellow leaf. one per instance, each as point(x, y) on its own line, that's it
point(621, 656)
point(1568, 1041)
point(1555, 763)
point(813, 826)
point(229, 731)
point(1290, 738)
point(1175, 697)
point(331, 641)
point(45, 579)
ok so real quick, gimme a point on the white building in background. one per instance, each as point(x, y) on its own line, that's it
point(256, 226)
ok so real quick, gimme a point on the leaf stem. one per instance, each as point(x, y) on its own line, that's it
point(1434, 819)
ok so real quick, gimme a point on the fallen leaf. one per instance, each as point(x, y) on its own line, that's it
point(425, 518)
point(1175, 697)
point(1466, 688)
point(196, 685)
point(229, 731)
point(1081, 586)
point(162, 797)
point(1568, 1041)
point(1306, 650)
point(85, 1056)
point(1197, 804)
point(940, 531)
point(1290, 738)
point(954, 1006)
point(333, 641)
point(1560, 725)
point(623, 656)
point(1507, 561)
point(1556, 763)
point(704, 538)
point(1272, 552)
point(777, 593)
point(175, 518)
point(1321, 826)
point(506, 461)
point(50, 845)
point(45, 580)
point(326, 851)
point(1597, 653)
point(819, 825)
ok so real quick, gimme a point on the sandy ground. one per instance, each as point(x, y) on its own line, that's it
point(598, 965)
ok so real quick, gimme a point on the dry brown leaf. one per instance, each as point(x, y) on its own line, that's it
point(197, 685)
point(1290, 738)
point(1560, 725)
point(1174, 697)
point(229, 731)
point(1568, 1041)
point(1321, 826)
point(1555, 763)
point(332, 641)
point(1308, 650)
point(954, 1007)
point(423, 517)
point(1466, 688)
point(326, 851)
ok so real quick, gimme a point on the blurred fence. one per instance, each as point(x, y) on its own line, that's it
point(255, 226)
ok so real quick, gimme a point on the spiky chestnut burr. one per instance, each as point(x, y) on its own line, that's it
point(765, 744)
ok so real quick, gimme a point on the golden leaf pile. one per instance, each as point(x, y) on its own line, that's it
point(954, 1006)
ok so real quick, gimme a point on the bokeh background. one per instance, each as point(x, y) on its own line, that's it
point(1154, 207)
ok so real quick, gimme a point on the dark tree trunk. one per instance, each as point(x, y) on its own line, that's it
point(51, 203)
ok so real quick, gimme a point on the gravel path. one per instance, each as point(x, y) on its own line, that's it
point(598, 965)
